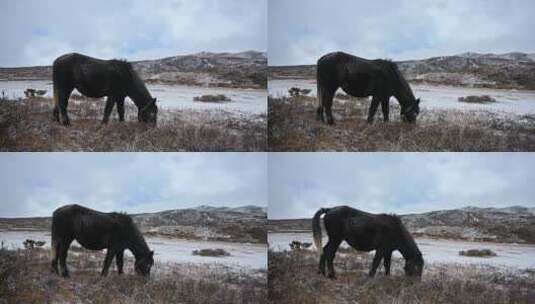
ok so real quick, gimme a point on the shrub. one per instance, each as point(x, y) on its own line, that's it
point(212, 98)
point(217, 252)
point(477, 99)
point(477, 253)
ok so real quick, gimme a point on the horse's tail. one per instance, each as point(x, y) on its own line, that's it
point(316, 228)
point(53, 238)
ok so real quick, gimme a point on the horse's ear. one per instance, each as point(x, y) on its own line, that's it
point(418, 101)
point(154, 100)
point(152, 253)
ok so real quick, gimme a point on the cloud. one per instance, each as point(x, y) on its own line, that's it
point(301, 183)
point(301, 31)
point(36, 32)
point(37, 183)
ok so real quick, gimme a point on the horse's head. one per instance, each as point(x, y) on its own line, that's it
point(148, 112)
point(144, 264)
point(414, 266)
point(411, 111)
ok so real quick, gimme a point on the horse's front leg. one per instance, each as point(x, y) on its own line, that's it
point(119, 261)
point(385, 105)
point(110, 102)
point(386, 260)
point(120, 108)
point(376, 261)
point(373, 109)
point(110, 253)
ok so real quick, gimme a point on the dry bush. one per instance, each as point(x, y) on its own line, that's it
point(477, 99)
point(292, 126)
point(293, 278)
point(212, 98)
point(216, 252)
point(27, 125)
point(477, 253)
point(25, 277)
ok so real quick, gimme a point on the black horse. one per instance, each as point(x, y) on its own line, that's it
point(97, 78)
point(96, 231)
point(364, 231)
point(360, 77)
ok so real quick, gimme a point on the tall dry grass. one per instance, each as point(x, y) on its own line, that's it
point(293, 278)
point(25, 277)
point(27, 125)
point(292, 126)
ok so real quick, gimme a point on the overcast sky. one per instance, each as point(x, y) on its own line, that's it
point(36, 32)
point(300, 31)
point(301, 183)
point(34, 184)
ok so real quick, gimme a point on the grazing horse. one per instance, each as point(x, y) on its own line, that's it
point(97, 78)
point(361, 77)
point(96, 231)
point(364, 231)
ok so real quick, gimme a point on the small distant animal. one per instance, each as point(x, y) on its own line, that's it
point(97, 230)
point(299, 245)
point(30, 244)
point(97, 78)
point(361, 77)
point(364, 231)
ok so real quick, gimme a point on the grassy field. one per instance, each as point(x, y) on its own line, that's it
point(292, 126)
point(293, 278)
point(25, 277)
point(27, 126)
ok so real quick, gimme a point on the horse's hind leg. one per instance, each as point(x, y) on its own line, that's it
point(63, 101)
point(110, 102)
point(330, 252)
point(63, 250)
point(385, 108)
point(328, 94)
point(54, 248)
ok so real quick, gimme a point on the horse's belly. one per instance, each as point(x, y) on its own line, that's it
point(92, 244)
point(360, 244)
point(91, 92)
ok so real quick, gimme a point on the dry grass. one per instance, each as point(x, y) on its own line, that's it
point(27, 125)
point(292, 126)
point(293, 278)
point(25, 278)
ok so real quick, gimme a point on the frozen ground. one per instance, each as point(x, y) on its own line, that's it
point(439, 251)
point(437, 97)
point(247, 101)
point(251, 256)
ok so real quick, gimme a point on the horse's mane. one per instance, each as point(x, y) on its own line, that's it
point(394, 70)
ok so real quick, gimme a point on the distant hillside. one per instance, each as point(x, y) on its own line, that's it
point(240, 224)
point(512, 224)
point(245, 69)
point(508, 71)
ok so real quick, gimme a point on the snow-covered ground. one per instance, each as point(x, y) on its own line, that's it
point(249, 256)
point(247, 101)
point(438, 251)
point(437, 97)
